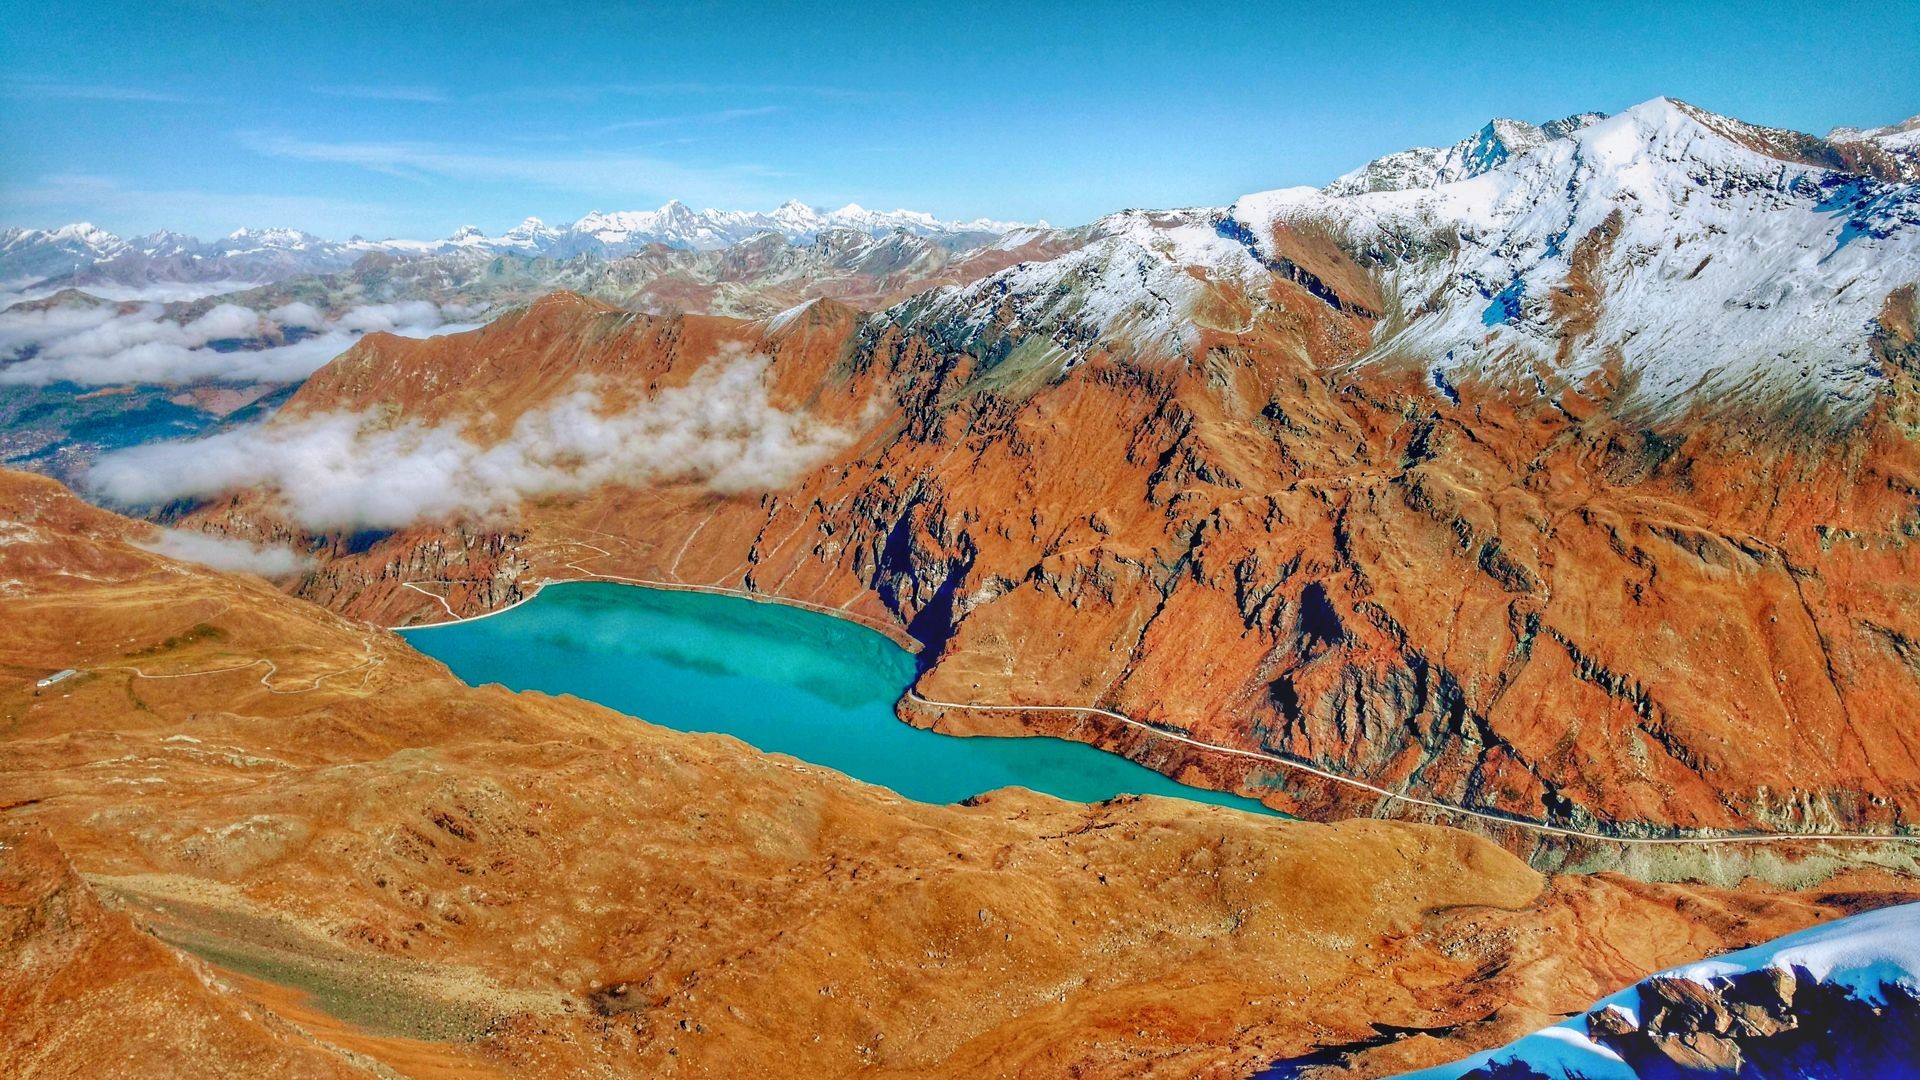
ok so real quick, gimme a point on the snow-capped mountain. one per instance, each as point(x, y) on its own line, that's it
point(1904, 135)
point(1686, 258)
point(35, 253)
point(1709, 258)
point(79, 254)
point(676, 225)
point(166, 244)
point(1488, 148)
point(1840, 999)
point(1896, 147)
point(253, 241)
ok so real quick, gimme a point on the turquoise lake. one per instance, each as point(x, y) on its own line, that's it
point(782, 679)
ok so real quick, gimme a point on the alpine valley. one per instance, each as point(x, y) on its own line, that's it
point(1533, 521)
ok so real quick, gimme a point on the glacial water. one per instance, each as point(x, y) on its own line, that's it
point(783, 679)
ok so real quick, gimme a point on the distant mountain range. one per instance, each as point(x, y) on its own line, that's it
point(81, 254)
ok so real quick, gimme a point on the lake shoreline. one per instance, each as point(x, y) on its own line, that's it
point(825, 691)
point(893, 633)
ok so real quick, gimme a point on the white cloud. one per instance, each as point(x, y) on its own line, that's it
point(29, 88)
point(717, 116)
point(223, 322)
point(460, 311)
point(426, 95)
point(390, 317)
point(344, 470)
point(102, 346)
point(603, 174)
point(227, 553)
point(304, 316)
point(158, 292)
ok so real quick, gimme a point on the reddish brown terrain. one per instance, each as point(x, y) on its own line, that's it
point(252, 836)
point(1546, 607)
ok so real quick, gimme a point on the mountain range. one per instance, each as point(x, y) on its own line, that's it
point(82, 254)
point(1389, 484)
point(1554, 496)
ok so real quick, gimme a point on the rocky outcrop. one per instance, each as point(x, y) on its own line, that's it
point(1839, 1000)
point(84, 992)
point(1771, 1022)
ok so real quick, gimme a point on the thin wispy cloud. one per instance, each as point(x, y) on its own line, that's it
point(581, 93)
point(719, 116)
point(28, 89)
point(608, 174)
point(427, 95)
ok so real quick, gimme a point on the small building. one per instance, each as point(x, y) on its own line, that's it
point(54, 678)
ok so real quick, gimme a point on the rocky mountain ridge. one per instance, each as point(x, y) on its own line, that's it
point(1698, 258)
point(1488, 148)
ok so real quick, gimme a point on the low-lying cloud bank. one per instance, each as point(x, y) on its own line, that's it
point(344, 471)
point(227, 553)
point(162, 292)
point(101, 346)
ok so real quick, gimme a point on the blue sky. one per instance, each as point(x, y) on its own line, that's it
point(414, 119)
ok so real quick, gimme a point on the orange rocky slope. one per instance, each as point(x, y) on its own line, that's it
point(383, 865)
point(1540, 606)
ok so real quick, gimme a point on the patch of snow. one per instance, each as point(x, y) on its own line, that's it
point(1734, 272)
point(1864, 953)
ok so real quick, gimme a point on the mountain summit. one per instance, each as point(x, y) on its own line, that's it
point(1488, 148)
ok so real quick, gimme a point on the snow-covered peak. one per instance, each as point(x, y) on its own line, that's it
point(794, 218)
point(1844, 975)
point(1897, 147)
point(1904, 133)
point(1686, 259)
point(86, 233)
point(272, 254)
point(1567, 125)
point(166, 243)
point(79, 238)
point(531, 234)
point(678, 225)
point(277, 239)
point(1425, 167)
point(1721, 260)
point(1129, 290)
point(29, 253)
